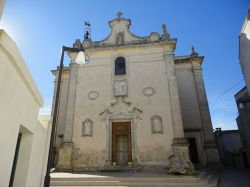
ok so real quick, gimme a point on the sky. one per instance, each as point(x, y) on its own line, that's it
point(41, 27)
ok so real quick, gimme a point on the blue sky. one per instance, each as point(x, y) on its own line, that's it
point(41, 27)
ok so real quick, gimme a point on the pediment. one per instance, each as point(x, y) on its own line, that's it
point(120, 32)
point(121, 35)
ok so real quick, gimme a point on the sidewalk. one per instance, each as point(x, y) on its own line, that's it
point(235, 178)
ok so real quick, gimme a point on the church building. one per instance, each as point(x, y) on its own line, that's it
point(132, 104)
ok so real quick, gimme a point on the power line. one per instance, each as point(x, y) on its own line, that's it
point(225, 92)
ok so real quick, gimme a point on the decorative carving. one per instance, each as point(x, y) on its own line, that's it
point(120, 88)
point(87, 128)
point(164, 29)
point(119, 38)
point(119, 100)
point(119, 14)
point(165, 34)
point(77, 44)
point(114, 101)
point(126, 101)
point(137, 112)
point(86, 43)
point(156, 124)
point(154, 36)
point(92, 95)
point(194, 53)
point(148, 91)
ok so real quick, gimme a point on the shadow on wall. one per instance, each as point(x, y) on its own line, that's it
point(22, 156)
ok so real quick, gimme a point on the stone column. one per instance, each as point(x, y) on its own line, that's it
point(210, 144)
point(180, 144)
point(65, 153)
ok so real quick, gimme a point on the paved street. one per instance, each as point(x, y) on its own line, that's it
point(235, 178)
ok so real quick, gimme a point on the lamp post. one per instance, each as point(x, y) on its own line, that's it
point(56, 104)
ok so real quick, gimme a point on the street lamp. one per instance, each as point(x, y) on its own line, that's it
point(79, 60)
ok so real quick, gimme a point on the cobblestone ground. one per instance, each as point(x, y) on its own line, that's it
point(235, 178)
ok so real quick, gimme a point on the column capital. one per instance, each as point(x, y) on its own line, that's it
point(197, 68)
point(73, 64)
point(168, 53)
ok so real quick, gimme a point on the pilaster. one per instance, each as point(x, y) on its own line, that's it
point(180, 144)
point(65, 157)
point(209, 144)
point(65, 152)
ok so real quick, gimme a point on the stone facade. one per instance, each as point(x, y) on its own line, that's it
point(137, 95)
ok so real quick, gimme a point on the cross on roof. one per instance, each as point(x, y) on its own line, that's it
point(119, 14)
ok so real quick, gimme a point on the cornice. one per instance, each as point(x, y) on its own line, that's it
point(135, 44)
point(188, 59)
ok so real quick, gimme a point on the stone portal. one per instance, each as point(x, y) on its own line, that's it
point(121, 143)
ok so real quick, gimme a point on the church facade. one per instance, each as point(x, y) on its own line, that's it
point(133, 103)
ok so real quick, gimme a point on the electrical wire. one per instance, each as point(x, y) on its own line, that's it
point(225, 92)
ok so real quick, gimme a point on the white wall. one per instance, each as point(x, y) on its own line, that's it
point(244, 50)
point(39, 152)
point(19, 105)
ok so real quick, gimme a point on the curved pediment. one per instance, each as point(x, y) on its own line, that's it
point(120, 32)
point(120, 35)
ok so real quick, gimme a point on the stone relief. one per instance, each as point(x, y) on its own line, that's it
point(154, 36)
point(119, 38)
point(92, 95)
point(156, 124)
point(148, 91)
point(120, 88)
point(87, 129)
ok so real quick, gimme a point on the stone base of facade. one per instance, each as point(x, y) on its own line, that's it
point(122, 168)
point(65, 157)
point(180, 148)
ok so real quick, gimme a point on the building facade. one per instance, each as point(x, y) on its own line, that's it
point(230, 148)
point(243, 121)
point(132, 103)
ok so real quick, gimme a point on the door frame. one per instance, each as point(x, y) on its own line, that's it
point(115, 133)
point(13, 170)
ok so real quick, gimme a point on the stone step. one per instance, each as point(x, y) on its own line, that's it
point(122, 179)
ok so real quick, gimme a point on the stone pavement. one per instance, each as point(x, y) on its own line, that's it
point(235, 178)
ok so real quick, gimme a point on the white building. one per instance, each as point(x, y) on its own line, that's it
point(24, 139)
point(244, 50)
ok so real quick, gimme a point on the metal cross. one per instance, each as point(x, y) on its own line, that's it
point(119, 14)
